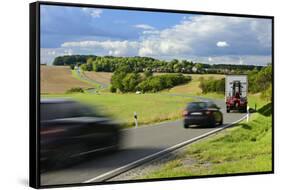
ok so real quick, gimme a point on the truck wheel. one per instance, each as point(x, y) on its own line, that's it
point(185, 125)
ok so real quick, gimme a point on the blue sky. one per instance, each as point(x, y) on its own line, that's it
point(209, 39)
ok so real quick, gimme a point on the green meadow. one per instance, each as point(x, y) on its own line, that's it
point(151, 108)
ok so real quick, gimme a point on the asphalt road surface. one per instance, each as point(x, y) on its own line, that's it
point(139, 143)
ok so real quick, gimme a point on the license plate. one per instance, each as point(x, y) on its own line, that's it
point(196, 113)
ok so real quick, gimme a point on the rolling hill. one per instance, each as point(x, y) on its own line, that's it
point(58, 79)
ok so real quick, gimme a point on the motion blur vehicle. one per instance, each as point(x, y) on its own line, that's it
point(203, 114)
point(69, 130)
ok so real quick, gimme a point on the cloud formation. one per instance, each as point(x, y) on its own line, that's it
point(222, 44)
point(95, 13)
point(192, 37)
point(199, 37)
point(144, 26)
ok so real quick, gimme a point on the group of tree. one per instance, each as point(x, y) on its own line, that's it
point(123, 80)
point(141, 64)
point(259, 81)
point(212, 85)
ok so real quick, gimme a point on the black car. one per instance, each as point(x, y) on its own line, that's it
point(203, 114)
point(69, 130)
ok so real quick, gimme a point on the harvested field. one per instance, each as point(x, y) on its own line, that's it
point(100, 77)
point(58, 79)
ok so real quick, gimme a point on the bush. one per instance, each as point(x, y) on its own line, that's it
point(72, 66)
point(212, 85)
point(75, 90)
point(87, 67)
point(267, 94)
point(260, 81)
point(130, 82)
point(112, 89)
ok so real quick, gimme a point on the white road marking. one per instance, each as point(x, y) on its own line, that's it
point(152, 156)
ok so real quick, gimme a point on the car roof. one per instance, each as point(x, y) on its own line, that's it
point(197, 102)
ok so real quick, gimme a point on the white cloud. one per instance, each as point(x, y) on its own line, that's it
point(263, 32)
point(222, 44)
point(144, 26)
point(95, 13)
point(236, 60)
point(48, 54)
point(150, 32)
point(194, 37)
point(116, 48)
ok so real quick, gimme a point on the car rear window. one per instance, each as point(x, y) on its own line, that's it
point(196, 106)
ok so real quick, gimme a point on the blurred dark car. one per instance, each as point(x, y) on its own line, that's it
point(69, 130)
point(203, 114)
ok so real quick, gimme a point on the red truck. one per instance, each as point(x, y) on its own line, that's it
point(236, 88)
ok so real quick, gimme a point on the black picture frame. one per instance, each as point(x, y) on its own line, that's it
point(34, 92)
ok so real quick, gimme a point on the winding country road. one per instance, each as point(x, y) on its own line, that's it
point(139, 145)
point(83, 77)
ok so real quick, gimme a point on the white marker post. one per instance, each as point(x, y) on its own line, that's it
point(136, 119)
point(248, 113)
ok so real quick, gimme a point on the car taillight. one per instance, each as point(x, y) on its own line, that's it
point(184, 113)
point(208, 112)
point(51, 131)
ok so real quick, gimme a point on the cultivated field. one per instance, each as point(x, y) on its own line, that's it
point(193, 86)
point(58, 79)
point(101, 77)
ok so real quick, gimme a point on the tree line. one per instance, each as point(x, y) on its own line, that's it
point(258, 81)
point(141, 64)
point(123, 80)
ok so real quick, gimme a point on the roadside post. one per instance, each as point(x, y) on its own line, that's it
point(248, 113)
point(136, 119)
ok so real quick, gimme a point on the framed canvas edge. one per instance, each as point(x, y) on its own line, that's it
point(34, 92)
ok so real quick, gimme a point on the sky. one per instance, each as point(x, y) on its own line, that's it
point(200, 38)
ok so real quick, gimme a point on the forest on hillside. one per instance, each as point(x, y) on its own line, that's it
point(141, 64)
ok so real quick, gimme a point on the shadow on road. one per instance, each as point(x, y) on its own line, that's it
point(207, 127)
point(108, 160)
